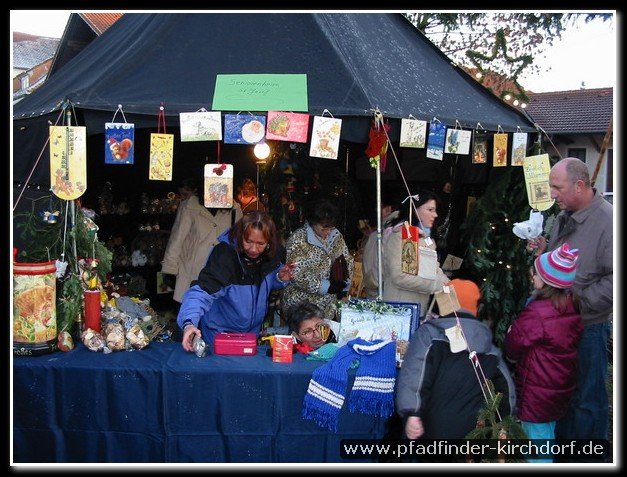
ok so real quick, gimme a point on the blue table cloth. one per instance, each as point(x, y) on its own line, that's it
point(161, 404)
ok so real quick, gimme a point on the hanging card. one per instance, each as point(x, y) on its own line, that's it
point(161, 157)
point(218, 186)
point(519, 148)
point(447, 301)
point(536, 169)
point(458, 141)
point(435, 144)
point(456, 338)
point(325, 137)
point(244, 128)
point(291, 127)
point(68, 161)
point(201, 126)
point(500, 150)
point(480, 147)
point(413, 133)
point(427, 263)
point(409, 251)
point(119, 143)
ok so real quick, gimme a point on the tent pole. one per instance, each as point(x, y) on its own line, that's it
point(379, 251)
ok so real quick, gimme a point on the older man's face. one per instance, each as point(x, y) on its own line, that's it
point(563, 190)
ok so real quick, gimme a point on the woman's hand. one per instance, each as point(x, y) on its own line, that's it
point(189, 332)
point(286, 273)
point(414, 428)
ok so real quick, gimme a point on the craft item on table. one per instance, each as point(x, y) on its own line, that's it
point(114, 336)
point(136, 337)
point(529, 229)
point(133, 309)
point(199, 346)
point(373, 389)
point(66, 343)
point(93, 341)
point(324, 353)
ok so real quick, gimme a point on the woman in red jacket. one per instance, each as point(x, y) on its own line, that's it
point(543, 342)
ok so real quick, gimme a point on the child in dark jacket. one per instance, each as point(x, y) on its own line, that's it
point(439, 393)
point(543, 342)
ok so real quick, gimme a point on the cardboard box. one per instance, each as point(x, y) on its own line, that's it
point(236, 344)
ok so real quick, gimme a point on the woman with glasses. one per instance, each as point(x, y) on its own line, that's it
point(232, 290)
point(307, 325)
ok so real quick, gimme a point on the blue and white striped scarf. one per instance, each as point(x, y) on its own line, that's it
point(373, 388)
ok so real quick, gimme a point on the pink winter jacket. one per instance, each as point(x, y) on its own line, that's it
point(544, 345)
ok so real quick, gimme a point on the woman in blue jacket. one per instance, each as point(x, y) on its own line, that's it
point(232, 290)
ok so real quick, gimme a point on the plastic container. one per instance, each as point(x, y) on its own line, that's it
point(235, 344)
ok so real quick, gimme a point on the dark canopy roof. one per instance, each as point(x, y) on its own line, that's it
point(353, 62)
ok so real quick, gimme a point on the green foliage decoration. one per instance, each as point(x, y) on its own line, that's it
point(492, 426)
point(59, 241)
point(495, 254)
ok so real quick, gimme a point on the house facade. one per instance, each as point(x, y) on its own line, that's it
point(575, 124)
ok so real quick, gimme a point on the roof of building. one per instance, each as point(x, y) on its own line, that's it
point(100, 22)
point(32, 50)
point(583, 111)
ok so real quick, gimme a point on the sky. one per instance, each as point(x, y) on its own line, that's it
point(584, 55)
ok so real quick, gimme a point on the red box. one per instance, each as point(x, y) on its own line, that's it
point(237, 344)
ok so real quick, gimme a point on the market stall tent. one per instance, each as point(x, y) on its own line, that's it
point(354, 63)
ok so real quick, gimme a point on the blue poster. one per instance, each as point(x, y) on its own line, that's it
point(119, 143)
point(435, 142)
point(244, 128)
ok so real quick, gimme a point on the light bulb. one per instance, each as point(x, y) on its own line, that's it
point(261, 150)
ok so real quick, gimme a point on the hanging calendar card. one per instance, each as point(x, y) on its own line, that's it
point(519, 148)
point(536, 169)
point(218, 186)
point(201, 126)
point(291, 127)
point(68, 161)
point(325, 137)
point(500, 150)
point(413, 133)
point(458, 141)
point(435, 143)
point(119, 143)
point(161, 157)
point(480, 147)
point(244, 128)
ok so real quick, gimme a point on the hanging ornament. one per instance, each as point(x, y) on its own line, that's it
point(378, 141)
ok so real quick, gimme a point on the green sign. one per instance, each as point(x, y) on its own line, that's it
point(260, 93)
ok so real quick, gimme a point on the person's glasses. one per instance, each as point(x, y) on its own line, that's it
point(321, 330)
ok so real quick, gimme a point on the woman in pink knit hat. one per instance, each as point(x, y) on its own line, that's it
point(543, 343)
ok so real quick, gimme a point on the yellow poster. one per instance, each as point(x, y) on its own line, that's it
point(500, 150)
point(537, 170)
point(161, 157)
point(68, 161)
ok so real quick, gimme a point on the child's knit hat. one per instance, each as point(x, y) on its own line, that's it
point(558, 268)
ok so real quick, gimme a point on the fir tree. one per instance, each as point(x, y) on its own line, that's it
point(495, 254)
